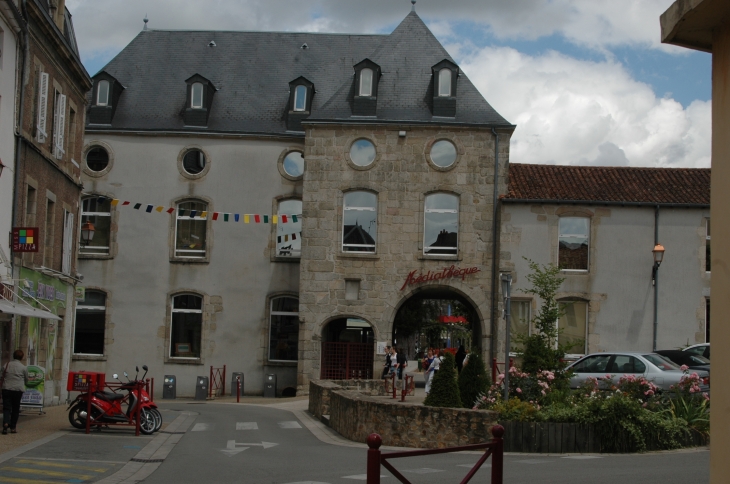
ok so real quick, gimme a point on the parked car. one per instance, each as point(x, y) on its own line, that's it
point(655, 368)
point(694, 362)
point(702, 349)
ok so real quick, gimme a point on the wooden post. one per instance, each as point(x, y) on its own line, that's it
point(373, 467)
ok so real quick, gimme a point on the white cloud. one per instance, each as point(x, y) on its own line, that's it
point(569, 111)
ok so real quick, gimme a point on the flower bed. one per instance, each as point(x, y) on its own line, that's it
point(604, 415)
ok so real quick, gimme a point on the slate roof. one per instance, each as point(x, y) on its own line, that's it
point(599, 184)
point(252, 71)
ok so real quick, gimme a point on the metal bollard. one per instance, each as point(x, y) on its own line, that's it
point(238, 389)
point(498, 454)
point(373, 467)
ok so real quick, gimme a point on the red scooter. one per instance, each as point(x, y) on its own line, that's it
point(107, 407)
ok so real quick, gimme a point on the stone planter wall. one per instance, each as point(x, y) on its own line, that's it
point(564, 438)
point(319, 392)
point(356, 415)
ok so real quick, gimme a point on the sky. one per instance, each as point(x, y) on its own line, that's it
point(586, 82)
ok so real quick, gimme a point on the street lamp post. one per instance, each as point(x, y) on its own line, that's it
point(658, 252)
point(506, 279)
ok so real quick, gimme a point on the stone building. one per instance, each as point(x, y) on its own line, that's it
point(51, 89)
point(374, 154)
point(600, 224)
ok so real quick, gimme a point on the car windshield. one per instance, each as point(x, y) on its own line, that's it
point(661, 362)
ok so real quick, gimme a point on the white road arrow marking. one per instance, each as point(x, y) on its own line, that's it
point(232, 452)
point(232, 444)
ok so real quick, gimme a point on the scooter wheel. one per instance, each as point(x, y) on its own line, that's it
point(147, 422)
point(158, 418)
point(77, 415)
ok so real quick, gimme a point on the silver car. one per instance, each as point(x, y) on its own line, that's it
point(655, 368)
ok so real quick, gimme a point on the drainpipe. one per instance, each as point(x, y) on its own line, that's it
point(656, 276)
point(495, 254)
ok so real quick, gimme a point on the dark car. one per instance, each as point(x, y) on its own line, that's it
point(702, 349)
point(693, 361)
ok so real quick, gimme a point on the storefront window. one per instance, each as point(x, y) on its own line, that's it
point(284, 329)
point(186, 327)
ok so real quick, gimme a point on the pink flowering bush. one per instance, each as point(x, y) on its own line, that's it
point(525, 387)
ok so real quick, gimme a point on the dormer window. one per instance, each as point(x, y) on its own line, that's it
point(445, 82)
point(102, 93)
point(300, 98)
point(104, 98)
point(200, 93)
point(196, 96)
point(301, 93)
point(365, 88)
point(366, 82)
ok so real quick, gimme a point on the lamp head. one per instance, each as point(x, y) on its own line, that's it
point(87, 233)
point(658, 252)
point(506, 279)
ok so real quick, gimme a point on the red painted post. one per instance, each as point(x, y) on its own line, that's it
point(138, 410)
point(395, 377)
point(373, 468)
point(494, 369)
point(91, 391)
point(497, 454)
point(511, 362)
point(223, 392)
point(152, 390)
point(238, 389)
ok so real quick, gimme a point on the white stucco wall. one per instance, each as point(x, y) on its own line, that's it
point(8, 43)
point(243, 178)
point(618, 285)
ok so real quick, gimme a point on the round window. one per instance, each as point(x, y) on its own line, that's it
point(194, 162)
point(97, 159)
point(294, 164)
point(362, 152)
point(443, 153)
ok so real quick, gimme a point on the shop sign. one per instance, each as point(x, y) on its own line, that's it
point(34, 389)
point(25, 239)
point(80, 293)
point(447, 273)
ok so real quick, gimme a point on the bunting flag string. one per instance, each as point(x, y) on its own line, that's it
point(247, 218)
point(288, 237)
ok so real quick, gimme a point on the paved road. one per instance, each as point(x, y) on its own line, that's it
point(260, 444)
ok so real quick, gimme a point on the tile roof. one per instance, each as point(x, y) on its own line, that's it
point(596, 184)
point(252, 71)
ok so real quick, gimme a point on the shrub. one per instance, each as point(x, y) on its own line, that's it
point(473, 380)
point(444, 389)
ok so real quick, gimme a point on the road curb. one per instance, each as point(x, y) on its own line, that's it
point(153, 454)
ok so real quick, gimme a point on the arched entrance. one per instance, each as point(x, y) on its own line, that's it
point(437, 317)
point(348, 345)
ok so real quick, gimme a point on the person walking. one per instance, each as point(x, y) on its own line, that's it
point(428, 372)
point(460, 356)
point(388, 363)
point(15, 377)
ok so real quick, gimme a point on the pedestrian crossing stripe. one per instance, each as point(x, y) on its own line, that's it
point(24, 480)
point(44, 472)
point(290, 425)
point(247, 426)
point(62, 465)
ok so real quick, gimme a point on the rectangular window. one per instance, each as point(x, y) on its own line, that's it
point(50, 234)
point(289, 229)
point(186, 326)
point(359, 222)
point(190, 230)
point(30, 206)
point(284, 329)
point(300, 98)
point(572, 326)
point(519, 316)
point(708, 254)
point(68, 238)
point(98, 212)
point(707, 321)
point(441, 224)
point(573, 243)
point(90, 324)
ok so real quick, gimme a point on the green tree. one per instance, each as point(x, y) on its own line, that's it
point(473, 379)
point(445, 389)
point(541, 350)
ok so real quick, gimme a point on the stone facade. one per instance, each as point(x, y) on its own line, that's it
point(401, 176)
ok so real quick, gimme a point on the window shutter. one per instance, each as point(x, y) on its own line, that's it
point(67, 242)
point(42, 104)
point(60, 123)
